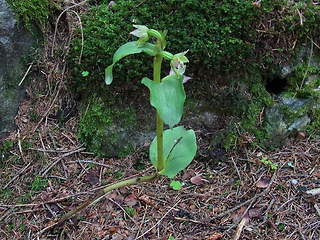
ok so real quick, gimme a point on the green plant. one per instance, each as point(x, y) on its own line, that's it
point(32, 10)
point(176, 185)
point(273, 166)
point(130, 211)
point(171, 150)
point(38, 183)
point(5, 149)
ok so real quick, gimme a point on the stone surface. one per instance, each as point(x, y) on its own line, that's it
point(15, 42)
point(286, 117)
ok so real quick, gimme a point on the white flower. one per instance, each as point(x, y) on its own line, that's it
point(141, 32)
point(177, 65)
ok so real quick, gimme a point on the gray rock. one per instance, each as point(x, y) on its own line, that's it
point(15, 42)
point(286, 117)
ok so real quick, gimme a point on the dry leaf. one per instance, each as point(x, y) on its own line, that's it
point(92, 177)
point(197, 180)
point(255, 212)
point(215, 236)
point(112, 230)
point(147, 200)
point(237, 216)
point(317, 174)
point(263, 183)
point(188, 174)
point(131, 200)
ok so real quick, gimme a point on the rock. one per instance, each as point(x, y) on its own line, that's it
point(15, 43)
point(119, 130)
point(287, 116)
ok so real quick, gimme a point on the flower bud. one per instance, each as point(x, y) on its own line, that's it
point(155, 33)
point(166, 55)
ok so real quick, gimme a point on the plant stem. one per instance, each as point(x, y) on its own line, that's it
point(107, 189)
point(157, 78)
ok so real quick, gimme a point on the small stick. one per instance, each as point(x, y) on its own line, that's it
point(246, 202)
point(48, 110)
point(93, 162)
point(240, 228)
point(50, 151)
point(49, 209)
point(25, 75)
point(125, 212)
point(157, 223)
point(99, 196)
point(59, 159)
point(142, 221)
point(236, 168)
point(16, 176)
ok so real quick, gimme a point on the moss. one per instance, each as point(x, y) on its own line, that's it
point(95, 121)
point(32, 11)
point(5, 150)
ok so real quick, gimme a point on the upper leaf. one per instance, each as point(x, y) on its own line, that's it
point(125, 50)
point(167, 97)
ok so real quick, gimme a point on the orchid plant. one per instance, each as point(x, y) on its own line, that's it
point(171, 150)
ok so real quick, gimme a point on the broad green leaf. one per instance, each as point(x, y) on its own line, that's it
point(167, 97)
point(125, 50)
point(176, 185)
point(179, 148)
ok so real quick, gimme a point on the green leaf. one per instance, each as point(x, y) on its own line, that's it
point(176, 185)
point(179, 148)
point(148, 48)
point(85, 73)
point(167, 97)
point(108, 75)
point(125, 50)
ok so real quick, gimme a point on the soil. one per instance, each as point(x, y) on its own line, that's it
point(250, 193)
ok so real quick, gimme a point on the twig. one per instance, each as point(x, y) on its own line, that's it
point(142, 221)
point(47, 228)
point(25, 75)
point(246, 202)
point(103, 192)
point(279, 208)
point(89, 161)
point(265, 218)
point(236, 168)
point(48, 110)
point(314, 43)
point(157, 223)
point(82, 37)
point(50, 151)
point(239, 229)
point(59, 159)
point(56, 27)
point(300, 15)
point(305, 74)
point(317, 208)
point(49, 209)
point(16, 176)
point(124, 211)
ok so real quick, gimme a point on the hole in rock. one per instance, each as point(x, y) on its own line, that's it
point(276, 85)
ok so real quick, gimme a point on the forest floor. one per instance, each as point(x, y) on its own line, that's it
point(253, 194)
